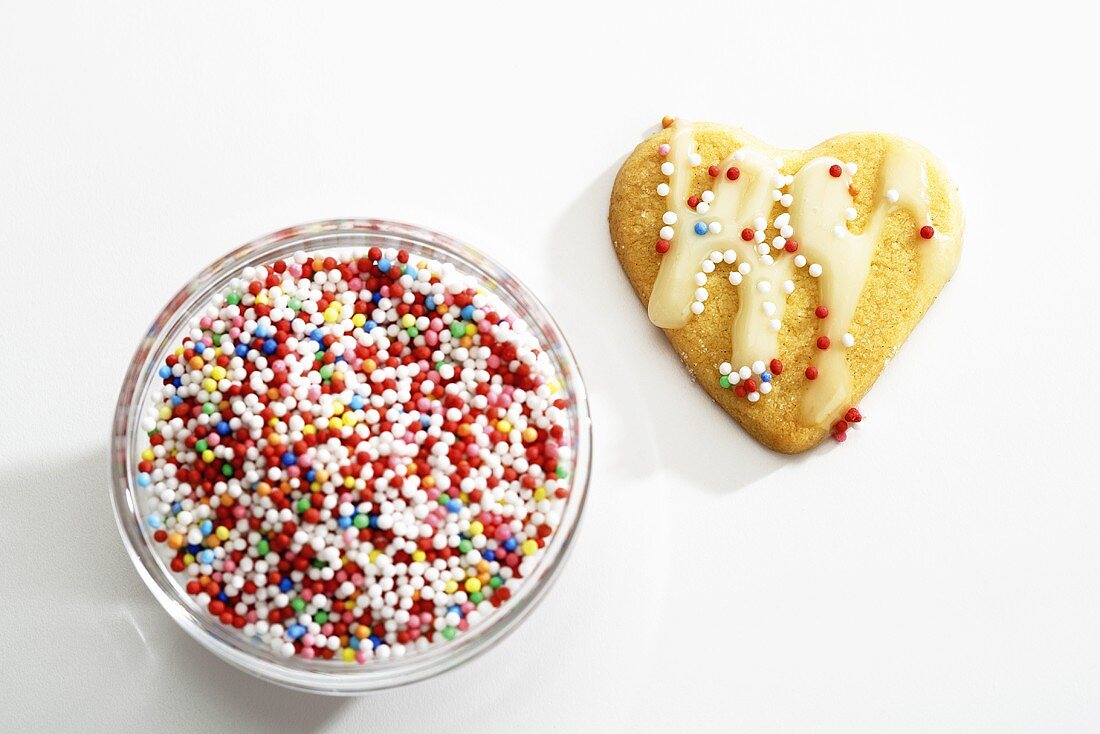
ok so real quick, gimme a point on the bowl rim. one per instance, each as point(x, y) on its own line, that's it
point(320, 676)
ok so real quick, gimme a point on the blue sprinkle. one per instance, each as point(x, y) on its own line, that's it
point(143, 480)
point(454, 505)
point(259, 331)
point(222, 596)
point(425, 420)
point(289, 459)
point(206, 527)
point(456, 609)
point(370, 326)
point(165, 372)
point(766, 376)
point(193, 549)
point(510, 544)
point(317, 335)
point(375, 641)
point(700, 228)
point(176, 507)
point(176, 400)
point(286, 585)
point(311, 475)
point(295, 631)
point(242, 350)
point(153, 520)
point(356, 402)
point(344, 522)
point(341, 358)
point(178, 381)
point(223, 428)
point(488, 555)
point(207, 556)
point(270, 346)
point(376, 297)
point(429, 303)
point(384, 265)
point(467, 313)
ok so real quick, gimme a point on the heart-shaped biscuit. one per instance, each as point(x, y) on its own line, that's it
point(786, 279)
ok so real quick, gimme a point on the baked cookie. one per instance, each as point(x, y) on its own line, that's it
point(786, 279)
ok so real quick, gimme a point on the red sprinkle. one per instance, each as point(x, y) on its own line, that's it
point(713, 171)
point(840, 427)
point(835, 171)
point(662, 246)
point(747, 234)
point(776, 367)
point(853, 415)
point(821, 312)
point(811, 373)
point(750, 385)
point(733, 173)
point(823, 342)
point(791, 246)
point(840, 436)
point(927, 232)
point(693, 201)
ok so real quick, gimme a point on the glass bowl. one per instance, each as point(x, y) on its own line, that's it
point(316, 675)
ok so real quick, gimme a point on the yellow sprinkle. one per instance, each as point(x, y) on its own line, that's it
point(359, 319)
point(529, 434)
point(348, 654)
point(261, 298)
point(331, 315)
point(349, 419)
point(470, 329)
point(209, 385)
point(504, 426)
point(553, 385)
point(208, 456)
point(148, 455)
point(374, 555)
point(337, 407)
point(540, 494)
point(334, 424)
point(349, 482)
point(476, 528)
point(309, 430)
point(451, 587)
point(529, 547)
point(473, 585)
point(370, 365)
point(419, 556)
point(165, 413)
point(218, 373)
point(188, 559)
point(222, 532)
point(408, 320)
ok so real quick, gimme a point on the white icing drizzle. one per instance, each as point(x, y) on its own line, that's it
point(819, 207)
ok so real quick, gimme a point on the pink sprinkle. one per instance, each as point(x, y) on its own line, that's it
point(663, 149)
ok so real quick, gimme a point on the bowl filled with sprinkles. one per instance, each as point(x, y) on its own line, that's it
point(350, 455)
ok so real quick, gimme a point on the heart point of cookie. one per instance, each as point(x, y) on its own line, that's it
point(822, 260)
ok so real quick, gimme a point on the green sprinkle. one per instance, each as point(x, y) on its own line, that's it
point(465, 546)
point(458, 329)
point(201, 445)
point(227, 470)
point(232, 299)
point(326, 372)
point(208, 408)
point(361, 521)
point(303, 504)
point(295, 304)
point(298, 603)
point(413, 331)
point(263, 548)
point(561, 472)
point(449, 632)
point(496, 582)
point(477, 597)
point(724, 381)
point(320, 617)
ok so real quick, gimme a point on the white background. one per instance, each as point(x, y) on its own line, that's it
point(938, 572)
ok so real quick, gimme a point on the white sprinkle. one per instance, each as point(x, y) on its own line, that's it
point(725, 368)
point(800, 261)
point(745, 372)
point(702, 207)
point(667, 232)
point(697, 308)
point(767, 260)
point(716, 227)
point(769, 308)
point(744, 268)
point(852, 168)
point(739, 155)
point(790, 179)
point(759, 235)
point(760, 223)
point(707, 266)
point(700, 279)
point(669, 218)
point(839, 231)
point(765, 388)
point(778, 162)
point(783, 219)
point(695, 159)
point(848, 340)
point(776, 324)
point(815, 270)
point(776, 194)
point(734, 378)
point(662, 189)
point(707, 196)
point(850, 213)
point(667, 168)
point(730, 256)
point(786, 200)
point(763, 248)
point(892, 196)
point(778, 242)
point(716, 257)
point(764, 286)
point(758, 367)
point(735, 278)
point(786, 231)
point(753, 396)
point(701, 294)
point(779, 180)
point(788, 285)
